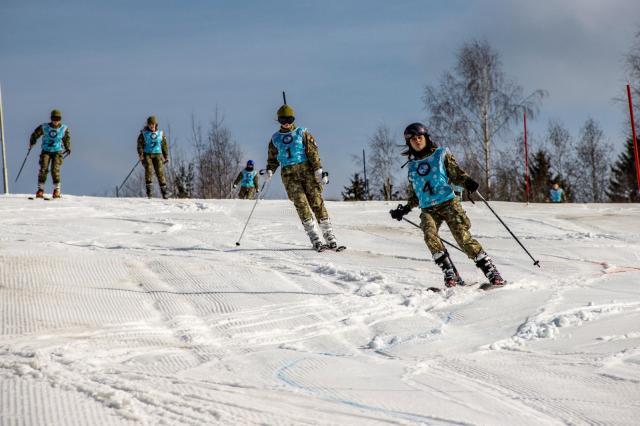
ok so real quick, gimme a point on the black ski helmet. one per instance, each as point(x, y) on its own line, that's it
point(415, 129)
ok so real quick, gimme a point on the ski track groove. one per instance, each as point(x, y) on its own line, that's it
point(169, 310)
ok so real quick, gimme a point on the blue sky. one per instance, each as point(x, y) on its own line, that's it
point(347, 67)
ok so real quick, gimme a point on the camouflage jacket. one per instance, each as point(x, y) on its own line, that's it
point(456, 175)
point(66, 139)
point(310, 146)
point(164, 146)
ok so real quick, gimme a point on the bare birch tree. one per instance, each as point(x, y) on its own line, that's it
point(217, 158)
point(593, 163)
point(476, 103)
point(561, 149)
point(383, 160)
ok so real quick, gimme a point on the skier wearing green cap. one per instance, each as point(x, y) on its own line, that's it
point(56, 145)
point(154, 154)
point(295, 149)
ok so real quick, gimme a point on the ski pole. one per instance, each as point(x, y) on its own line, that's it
point(23, 163)
point(125, 179)
point(535, 262)
point(441, 239)
point(252, 209)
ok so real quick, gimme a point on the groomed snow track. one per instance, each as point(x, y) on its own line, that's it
point(132, 311)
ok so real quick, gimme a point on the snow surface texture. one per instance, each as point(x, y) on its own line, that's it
point(134, 311)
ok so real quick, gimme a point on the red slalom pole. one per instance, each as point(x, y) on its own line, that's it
point(526, 157)
point(633, 134)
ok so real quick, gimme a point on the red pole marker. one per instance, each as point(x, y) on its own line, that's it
point(526, 158)
point(633, 134)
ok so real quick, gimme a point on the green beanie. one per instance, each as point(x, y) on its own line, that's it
point(56, 114)
point(286, 111)
point(152, 120)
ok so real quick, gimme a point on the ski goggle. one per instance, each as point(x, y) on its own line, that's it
point(408, 136)
point(286, 120)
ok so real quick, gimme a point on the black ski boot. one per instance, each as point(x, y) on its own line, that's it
point(483, 261)
point(165, 193)
point(149, 190)
point(451, 277)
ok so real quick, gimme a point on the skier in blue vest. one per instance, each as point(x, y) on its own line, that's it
point(295, 149)
point(248, 180)
point(556, 194)
point(432, 169)
point(154, 154)
point(56, 144)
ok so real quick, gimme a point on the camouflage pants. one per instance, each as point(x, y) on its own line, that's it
point(453, 214)
point(153, 162)
point(246, 193)
point(304, 191)
point(53, 158)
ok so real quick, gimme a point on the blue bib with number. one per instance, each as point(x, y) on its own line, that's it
point(152, 141)
point(429, 179)
point(52, 137)
point(556, 195)
point(290, 147)
point(247, 178)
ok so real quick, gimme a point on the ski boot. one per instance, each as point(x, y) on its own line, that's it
point(149, 190)
point(310, 229)
point(40, 193)
point(451, 276)
point(327, 233)
point(165, 193)
point(483, 261)
point(56, 193)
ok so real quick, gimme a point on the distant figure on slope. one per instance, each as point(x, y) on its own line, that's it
point(55, 135)
point(154, 154)
point(248, 180)
point(556, 194)
point(431, 168)
point(296, 151)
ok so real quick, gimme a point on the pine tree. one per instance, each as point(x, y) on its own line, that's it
point(356, 189)
point(541, 179)
point(623, 185)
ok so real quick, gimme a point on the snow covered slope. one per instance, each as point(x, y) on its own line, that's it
point(133, 311)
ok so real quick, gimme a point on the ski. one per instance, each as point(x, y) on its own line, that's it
point(441, 289)
point(43, 198)
point(489, 286)
point(326, 247)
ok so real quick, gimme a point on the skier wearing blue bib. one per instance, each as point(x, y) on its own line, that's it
point(296, 151)
point(56, 144)
point(153, 152)
point(248, 180)
point(556, 194)
point(432, 171)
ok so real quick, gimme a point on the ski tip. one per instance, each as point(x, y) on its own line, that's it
point(237, 243)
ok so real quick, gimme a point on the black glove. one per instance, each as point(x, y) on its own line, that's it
point(66, 153)
point(400, 211)
point(471, 185)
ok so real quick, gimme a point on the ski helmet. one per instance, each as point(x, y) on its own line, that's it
point(56, 114)
point(415, 129)
point(286, 111)
point(250, 163)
